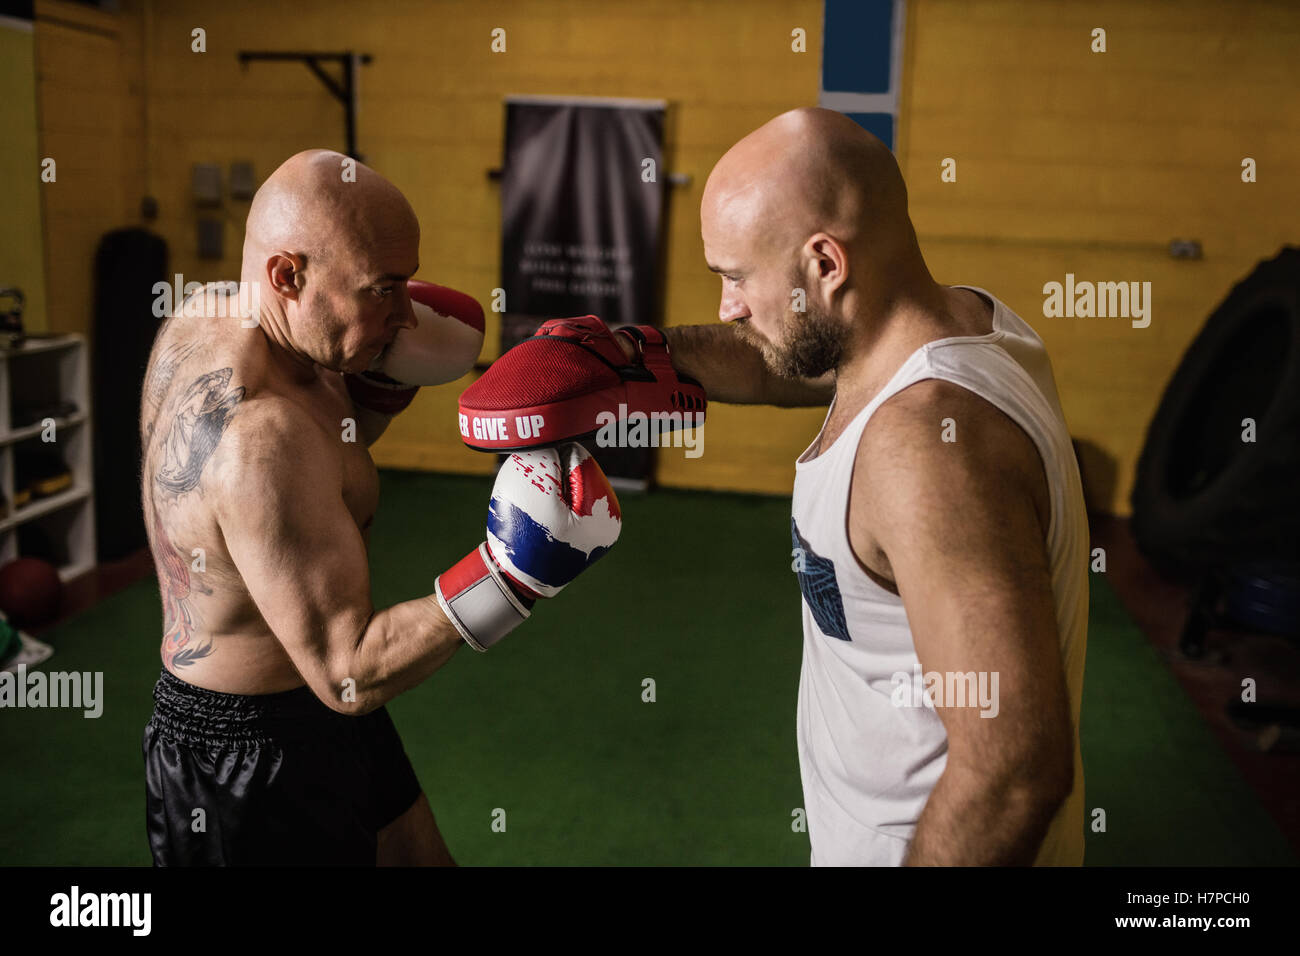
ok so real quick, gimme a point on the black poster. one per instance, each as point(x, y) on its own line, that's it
point(582, 199)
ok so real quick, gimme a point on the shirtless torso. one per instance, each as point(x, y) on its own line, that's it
point(203, 375)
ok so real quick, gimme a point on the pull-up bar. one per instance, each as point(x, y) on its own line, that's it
point(344, 90)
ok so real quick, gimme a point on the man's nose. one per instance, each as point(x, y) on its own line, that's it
point(732, 307)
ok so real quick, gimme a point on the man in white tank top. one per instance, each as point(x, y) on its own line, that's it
point(938, 522)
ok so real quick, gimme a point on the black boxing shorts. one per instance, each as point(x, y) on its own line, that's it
point(271, 779)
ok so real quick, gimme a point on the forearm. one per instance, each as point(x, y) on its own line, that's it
point(976, 822)
point(400, 647)
point(733, 371)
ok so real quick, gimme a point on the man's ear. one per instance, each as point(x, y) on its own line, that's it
point(284, 270)
point(830, 258)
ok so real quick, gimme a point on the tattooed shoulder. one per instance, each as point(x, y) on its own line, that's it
point(196, 422)
point(163, 370)
point(163, 366)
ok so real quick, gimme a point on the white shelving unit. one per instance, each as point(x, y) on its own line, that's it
point(43, 371)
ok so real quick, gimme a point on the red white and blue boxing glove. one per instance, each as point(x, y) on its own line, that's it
point(443, 346)
point(553, 514)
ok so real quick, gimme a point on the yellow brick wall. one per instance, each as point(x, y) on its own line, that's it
point(21, 263)
point(90, 127)
point(1082, 162)
point(431, 119)
point(1068, 161)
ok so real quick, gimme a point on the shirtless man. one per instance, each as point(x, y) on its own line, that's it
point(269, 741)
point(938, 518)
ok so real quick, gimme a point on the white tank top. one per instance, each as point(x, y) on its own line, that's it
point(868, 766)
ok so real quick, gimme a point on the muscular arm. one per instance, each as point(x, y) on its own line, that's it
point(734, 372)
point(956, 523)
point(303, 560)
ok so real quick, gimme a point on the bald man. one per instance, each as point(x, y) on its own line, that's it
point(938, 518)
point(269, 741)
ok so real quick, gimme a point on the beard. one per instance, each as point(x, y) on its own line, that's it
point(813, 344)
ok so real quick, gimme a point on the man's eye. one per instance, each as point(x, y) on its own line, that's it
point(383, 291)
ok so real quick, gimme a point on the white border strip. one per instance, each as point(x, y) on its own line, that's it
point(17, 24)
point(592, 101)
point(859, 102)
point(896, 49)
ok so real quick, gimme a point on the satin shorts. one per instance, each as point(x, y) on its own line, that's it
point(270, 779)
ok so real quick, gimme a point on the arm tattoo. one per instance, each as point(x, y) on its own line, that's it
point(200, 419)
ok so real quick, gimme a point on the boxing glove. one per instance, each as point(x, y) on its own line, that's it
point(443, 346)
point(553, 514)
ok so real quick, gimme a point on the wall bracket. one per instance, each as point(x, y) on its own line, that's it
point(344, 89)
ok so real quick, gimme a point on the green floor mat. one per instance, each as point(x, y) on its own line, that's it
point(549, 732)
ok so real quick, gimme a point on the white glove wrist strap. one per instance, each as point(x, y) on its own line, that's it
point(478, 600)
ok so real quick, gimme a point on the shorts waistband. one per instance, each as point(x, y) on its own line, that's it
point(196, 715)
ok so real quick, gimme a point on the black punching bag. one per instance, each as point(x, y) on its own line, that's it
point(127, 265)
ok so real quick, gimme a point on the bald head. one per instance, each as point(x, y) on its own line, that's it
point(806, 220)
point(307, 206)
point(331, 243)
point(808, 171)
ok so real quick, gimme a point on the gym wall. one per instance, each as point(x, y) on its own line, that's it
point(88, 91)
point(1068, 161)
point(21, 262)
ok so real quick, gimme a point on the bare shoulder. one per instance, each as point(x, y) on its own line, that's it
point(937, 415)
point(184, 341)
point(935, 447)
point(199, 376)
point(272, 439)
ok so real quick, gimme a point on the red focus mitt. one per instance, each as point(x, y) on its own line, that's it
point(566, 382)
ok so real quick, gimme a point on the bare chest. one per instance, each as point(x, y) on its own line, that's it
point(360, 485)
point(332, 411)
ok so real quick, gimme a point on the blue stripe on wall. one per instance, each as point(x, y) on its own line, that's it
point(880, 125)
point(857, 38)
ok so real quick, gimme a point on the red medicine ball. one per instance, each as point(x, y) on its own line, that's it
point(30, 591)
